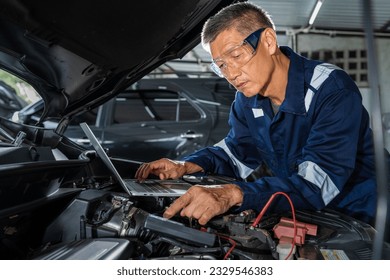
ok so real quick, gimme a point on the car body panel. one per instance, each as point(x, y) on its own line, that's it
point(85, 61)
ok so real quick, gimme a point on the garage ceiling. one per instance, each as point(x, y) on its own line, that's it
point(343, 15)
point(292, 17)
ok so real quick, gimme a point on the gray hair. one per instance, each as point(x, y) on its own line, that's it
point(244, 17)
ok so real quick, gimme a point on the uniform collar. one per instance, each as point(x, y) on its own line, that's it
point(294, 101)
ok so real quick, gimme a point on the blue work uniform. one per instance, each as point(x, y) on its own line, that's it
point(318, 147)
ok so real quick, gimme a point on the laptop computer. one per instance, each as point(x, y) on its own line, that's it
point(149, 187)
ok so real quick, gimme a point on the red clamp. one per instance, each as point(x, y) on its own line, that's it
point(284, 231)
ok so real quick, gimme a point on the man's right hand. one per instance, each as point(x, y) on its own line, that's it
point(205, 202)
point(166, 169)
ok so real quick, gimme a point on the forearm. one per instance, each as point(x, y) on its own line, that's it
point(303, 194)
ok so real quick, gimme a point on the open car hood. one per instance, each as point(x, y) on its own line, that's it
point(79, 54)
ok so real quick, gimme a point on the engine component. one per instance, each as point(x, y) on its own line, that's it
point(284, 231)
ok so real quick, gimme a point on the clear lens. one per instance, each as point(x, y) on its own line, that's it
point(238, 56)
point(216, 69)
point(235, 58)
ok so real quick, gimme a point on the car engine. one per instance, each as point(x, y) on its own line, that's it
point(101, 225)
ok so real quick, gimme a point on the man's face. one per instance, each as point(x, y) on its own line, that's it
point(249, 78)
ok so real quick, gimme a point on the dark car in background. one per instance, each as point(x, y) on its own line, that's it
point(154, 118)
point(9, 100)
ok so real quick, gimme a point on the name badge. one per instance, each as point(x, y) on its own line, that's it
point(257, 113)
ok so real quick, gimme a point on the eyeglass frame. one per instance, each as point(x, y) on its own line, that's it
point(253, 40)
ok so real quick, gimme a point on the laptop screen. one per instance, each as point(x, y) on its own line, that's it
point(102, 154)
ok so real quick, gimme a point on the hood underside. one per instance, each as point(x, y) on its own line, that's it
point(79, 54)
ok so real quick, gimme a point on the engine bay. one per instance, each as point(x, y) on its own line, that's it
point(108, 225)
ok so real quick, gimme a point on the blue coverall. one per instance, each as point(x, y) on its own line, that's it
point(318, 146)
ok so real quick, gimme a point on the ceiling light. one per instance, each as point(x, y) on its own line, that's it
point(315, 12)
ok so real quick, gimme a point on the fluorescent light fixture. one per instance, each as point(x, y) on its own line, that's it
point(315, 12)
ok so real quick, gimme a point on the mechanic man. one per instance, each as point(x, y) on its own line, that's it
point(300, 120)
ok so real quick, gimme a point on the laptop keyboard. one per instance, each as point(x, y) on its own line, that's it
point(151, 186)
